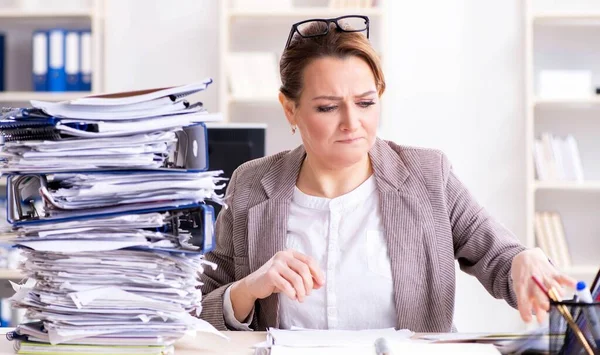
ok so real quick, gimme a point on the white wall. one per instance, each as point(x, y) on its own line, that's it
point(454, 73)
point(160, 43)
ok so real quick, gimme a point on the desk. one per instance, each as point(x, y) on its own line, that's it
point(240, 343)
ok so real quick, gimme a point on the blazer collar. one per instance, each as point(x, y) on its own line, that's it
point(389, 170)
point(281, 178)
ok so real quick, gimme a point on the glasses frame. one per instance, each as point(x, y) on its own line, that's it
point(329, 21)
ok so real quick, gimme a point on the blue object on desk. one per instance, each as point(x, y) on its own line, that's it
point(589, 312)
point(5, 313)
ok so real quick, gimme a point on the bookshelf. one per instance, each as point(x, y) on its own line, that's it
point(18, 20)
point(266, 30)
point(20, 13)
point(308, 12)
point(561, 35)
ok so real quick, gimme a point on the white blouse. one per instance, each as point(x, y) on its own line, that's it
point(345, 236)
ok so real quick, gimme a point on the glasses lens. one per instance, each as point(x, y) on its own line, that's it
point(353, 23)
point(313, 28)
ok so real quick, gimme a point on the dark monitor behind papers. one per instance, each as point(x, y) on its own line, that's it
point(232, 144)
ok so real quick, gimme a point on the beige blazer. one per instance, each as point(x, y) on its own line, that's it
point(429, 218)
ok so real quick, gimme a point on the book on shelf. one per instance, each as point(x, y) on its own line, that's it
point(61, 60)
point(557, 158)
point(351, 4)
point(551, 238)
point(265, 5)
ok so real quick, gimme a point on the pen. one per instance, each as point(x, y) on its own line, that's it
point(382, 347)
point(553, 295)
point(586, 297)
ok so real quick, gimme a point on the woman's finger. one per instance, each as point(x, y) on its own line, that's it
point(315, 269)
point(295, 280)
point(284, 286)
point(523, 303)
point(540, 300)
point(565, 280)
point(302, 270)
point(552, 283)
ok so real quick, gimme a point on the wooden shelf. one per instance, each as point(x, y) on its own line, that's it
point(253, 100)
point(316, 12)
point(568, 185)
point(25, 96)
point(567, 18)
point(581, 270)
point(53, 14)
point(565, 103)
point(10, 274)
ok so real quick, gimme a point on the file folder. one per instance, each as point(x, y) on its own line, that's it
point(57, 80)
point(86, 60)
point(40, 60)
point(72, 60)
point(23, 193)
point(190, 153)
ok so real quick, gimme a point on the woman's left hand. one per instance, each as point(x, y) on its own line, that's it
point(533, 262)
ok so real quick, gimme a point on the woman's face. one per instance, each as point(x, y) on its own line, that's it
point(338, 110)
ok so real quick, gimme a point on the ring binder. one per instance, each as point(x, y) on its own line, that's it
point(188, 153)
point(24, 190)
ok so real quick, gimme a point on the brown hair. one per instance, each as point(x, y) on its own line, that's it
point(336, 44)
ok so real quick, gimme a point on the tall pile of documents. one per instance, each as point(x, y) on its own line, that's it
point(106, 196)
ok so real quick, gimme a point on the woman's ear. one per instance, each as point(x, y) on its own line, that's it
point(289, 109)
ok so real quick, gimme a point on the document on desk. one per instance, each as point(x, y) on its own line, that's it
point(400, 348)
point(332, 338)
point(348, 342)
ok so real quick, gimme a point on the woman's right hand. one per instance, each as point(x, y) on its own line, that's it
point(289, 272)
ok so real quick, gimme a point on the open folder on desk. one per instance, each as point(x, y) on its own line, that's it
point(349, 342)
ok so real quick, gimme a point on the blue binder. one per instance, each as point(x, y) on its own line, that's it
point(86, 60)
point(2, 60)
point(73, 60)
point(57, 77)
point(39, 68)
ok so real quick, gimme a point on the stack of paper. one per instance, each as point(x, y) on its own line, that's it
point(129, 130)
point(79, 194)
point(143, 231)
point(111, 256)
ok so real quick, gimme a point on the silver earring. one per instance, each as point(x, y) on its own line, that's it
point(293, 129)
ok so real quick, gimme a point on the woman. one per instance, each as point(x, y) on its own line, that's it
point(349, 231)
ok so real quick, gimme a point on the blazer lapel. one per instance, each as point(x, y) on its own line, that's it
point(401, 218)
point(267, 225)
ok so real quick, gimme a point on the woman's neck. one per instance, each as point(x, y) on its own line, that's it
point(316, 179)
